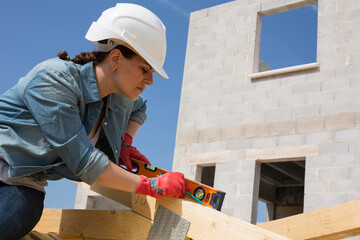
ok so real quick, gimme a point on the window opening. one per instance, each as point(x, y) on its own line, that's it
point(206, 175)
point(287, 38)
point(281, 189)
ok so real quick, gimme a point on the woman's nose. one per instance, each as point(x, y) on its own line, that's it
point(149, 79)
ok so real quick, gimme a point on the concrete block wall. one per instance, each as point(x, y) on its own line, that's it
point(228, 120)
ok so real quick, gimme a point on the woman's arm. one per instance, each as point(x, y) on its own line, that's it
point(118, 178)
point(132, 127)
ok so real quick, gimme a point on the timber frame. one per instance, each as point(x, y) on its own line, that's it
point(335, 222)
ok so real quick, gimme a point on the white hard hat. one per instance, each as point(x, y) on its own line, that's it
point(135, 27)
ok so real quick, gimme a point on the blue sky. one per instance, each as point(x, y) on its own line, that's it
point(33, 31)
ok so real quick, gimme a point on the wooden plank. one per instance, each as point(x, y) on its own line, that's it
point(336, 222)
point(206, 223)
point(40, 236)
point(98, 224)
point(118, 196)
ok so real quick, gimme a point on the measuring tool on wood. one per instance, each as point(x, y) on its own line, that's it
point(200, 193)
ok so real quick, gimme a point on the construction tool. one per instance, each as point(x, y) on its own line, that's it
point(200, 193)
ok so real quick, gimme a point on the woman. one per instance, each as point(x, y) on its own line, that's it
point(75, 118)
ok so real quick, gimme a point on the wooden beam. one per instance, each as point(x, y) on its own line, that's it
point(206, 223)
point(118, 196)
point(97, 224)
point(336, 222)
point(292, 173)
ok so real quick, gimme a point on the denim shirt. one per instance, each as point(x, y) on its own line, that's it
point(46, 117)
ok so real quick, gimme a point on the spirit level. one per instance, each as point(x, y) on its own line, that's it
point(201, 193)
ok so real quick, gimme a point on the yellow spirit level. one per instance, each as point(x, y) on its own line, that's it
point(201, 193)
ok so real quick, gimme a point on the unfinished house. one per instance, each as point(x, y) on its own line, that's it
point(288, 137)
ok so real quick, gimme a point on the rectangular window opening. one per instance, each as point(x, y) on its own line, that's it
point(206, 175)
point(286, 39)
point(280, 189)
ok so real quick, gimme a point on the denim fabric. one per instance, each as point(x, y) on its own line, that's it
point(21, 209)
point(46, 117)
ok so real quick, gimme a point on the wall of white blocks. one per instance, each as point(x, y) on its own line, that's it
point(229, 120)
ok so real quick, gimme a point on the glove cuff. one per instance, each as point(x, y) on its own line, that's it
point(145, 187)
point(128, 138)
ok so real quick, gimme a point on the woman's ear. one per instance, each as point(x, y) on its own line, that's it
point(115, 58)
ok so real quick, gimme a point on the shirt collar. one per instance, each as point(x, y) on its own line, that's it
point(91, 91)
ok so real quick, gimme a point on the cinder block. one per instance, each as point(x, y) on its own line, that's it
point(319, 137)
point(334, 108)
point(345, 160)
point(291, 140)
point(265, 105)
point(292, 101)
point(286, 127)
point(306, 111)
point(310, 124)
point(354, 173)
point(281, 92)
point(242, 108)
point(312, 174)
point(333, 174)
point(264, 142)
point(196, 148)
point(228, 167)
point(347, 94)
point(239, 144)
point(222, 178)
point(187, 137)
point(307, 88)
point(344, 186)
point(207, 123)
point(255, 96)
point(333, 148)
point(278, 114)
point(243, 177)
point(319, 98)
point(329, 199)
point(257, 130)
point(316, 187)
point(253, 117)
point(209, 135)
point(317, 162)
point(340, 121)
point(349, 70)
point(354, 147)
point(232, 132)
point(335, 84)
point(347, 135)
point(245, 188)
point(217, 146)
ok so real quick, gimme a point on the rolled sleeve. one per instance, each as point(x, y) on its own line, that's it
point(95, 166)
point(139, 110)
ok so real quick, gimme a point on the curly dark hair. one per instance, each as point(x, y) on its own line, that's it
point(94, 56)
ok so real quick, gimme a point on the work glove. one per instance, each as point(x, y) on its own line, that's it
point(168, 184)
point(128, 151)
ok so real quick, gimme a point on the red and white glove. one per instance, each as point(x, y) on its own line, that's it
point(169, 184)
point(128, 151)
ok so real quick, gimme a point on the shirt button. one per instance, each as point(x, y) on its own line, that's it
point(105, 123)
point(115, 151)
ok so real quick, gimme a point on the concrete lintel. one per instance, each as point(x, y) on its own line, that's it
point(276, 153)
point(209, 158)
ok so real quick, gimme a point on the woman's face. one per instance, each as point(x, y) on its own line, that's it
point(132, 76)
